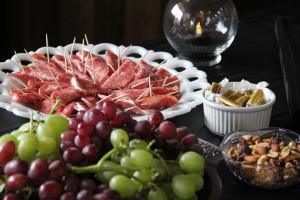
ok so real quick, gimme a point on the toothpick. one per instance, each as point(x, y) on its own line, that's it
point(130, 108)
point(88, 44)
point(140, 60)
point(150, 86)
point(111, 67)
point(47, 45)
point(21, 67)
point(72, 69)
point(171, 93)
point(31, 90)
point(72, 48)
point(16, 87)
point(20, 81)
point(105, 98)
point(137, 99)
point(163, 62)
point(82, 58)
point(125, 51)
point(118, 97)
point(164, 81)
point(32, 59)
point(140, 83)
point(172, 82)
point(66, 66)
point(53, 77)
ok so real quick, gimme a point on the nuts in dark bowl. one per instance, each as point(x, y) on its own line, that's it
point(267, 158)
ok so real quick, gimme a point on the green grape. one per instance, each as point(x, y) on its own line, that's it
point(138, 144)
point(58, 123)
point(167, 187)
point(118, 137)
point(27, 149)
point(127, 162)
point(122, 184)
point(183, 186)
point(26, 127)
point(175, 169)
point(107, 175)
point(46, 145)
point(141, 158)
point(7, 137)
point(143, 175)
point(45, 130)
point(158, 169)
point(16, 133)
point(139, 186)
point(43, 156)
point(197, 179)
point(28, 135)
point(156, 194)
point(192, 162)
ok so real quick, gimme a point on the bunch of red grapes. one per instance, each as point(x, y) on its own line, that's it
point(88, 137)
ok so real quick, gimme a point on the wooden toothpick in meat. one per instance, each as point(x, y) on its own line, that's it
point(82, 58)
point(163, 62)
point(172, 82)
point(140, 60)
point(32, 60)
point(47, 45)
point(164, 81)
point(88, 44)
point(137, 99)
point(19, 61)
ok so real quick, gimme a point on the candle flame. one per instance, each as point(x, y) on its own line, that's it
point(198, 29)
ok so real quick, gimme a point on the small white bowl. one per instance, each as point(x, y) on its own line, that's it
point(221, 119)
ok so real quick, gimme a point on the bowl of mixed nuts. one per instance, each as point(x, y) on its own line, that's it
point(268, 158)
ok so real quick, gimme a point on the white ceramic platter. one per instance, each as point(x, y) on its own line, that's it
point(192, 80)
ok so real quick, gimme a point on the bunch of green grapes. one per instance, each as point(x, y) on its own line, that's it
point(38, 139)
point(134, 169)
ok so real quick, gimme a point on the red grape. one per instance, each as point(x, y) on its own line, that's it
point(57, 169)
point(84, 195)
point(68, 136)
point(38, 170)
point(142, 127)
point(93, 116)
point(109, 109)
point(66, 145)
point(67, 196)
point(103, 129)
point(189, 140)
point(80, 114)
point(167, 129)
point(50, 190)
point(182, 131)
point(90, 152)
point(72, 184)
point(119, 119)
point(7, 152)
point(74, 123)
point(72, 155)
point(16, 182)
point(16, 166)
point(88, 184)
point(101, 196)
point(85, 128)
point(81, 140)
point(12, 196)
point(155, 118)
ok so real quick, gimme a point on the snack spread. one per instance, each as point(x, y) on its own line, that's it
point(267, 161)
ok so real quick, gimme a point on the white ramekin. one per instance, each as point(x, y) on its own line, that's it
point(221, 119)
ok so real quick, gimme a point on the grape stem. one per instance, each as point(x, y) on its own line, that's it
point(54, 106)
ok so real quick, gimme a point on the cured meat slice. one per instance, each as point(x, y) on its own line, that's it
point(161, 73)
point(64, 78)
point(44, 106)
point(67, 110)
point(112, 59)
point(79, 105)
point(86, 87)
point(129, 105)
point(59, 60)
point(66, 95)
point(158, 102)
point(23, 77)
point(25, 98)
point(90, 101)
point(32, 83)
point(39, 59)
point(76, 62)
point(143, 70)
point(40, 73)
point(121, 77)
point(130, 93)
point(98, 70)
point(49, 87)
point(23, 90)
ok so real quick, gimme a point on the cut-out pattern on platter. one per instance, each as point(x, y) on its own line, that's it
point(192, 80)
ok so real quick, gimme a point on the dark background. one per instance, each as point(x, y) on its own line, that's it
point(24, 23)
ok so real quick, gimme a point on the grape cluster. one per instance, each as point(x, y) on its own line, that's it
point(36, 139)
point(134, 169)
point(88, 137)
point(53, 181)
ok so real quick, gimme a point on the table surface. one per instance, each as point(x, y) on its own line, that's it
point(253, 56)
